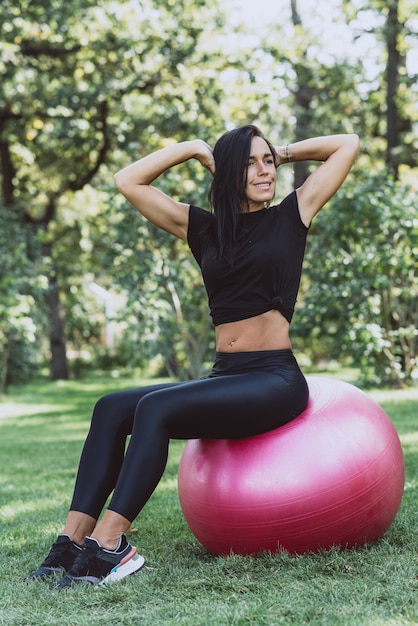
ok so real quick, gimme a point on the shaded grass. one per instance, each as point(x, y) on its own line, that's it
point(42, 428)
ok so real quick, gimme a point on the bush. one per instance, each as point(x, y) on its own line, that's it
point(21, 284)
point(360, 289)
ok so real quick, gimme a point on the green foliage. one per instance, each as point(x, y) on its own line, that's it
point(22, 282)
point(390, 91)
point(81, 83)
point(361, 291)
point(87, 87)
point(166, 306)
point(83, 79)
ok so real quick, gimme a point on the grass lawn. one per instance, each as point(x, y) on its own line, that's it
point(42, 428)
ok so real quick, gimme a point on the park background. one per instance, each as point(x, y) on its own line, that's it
point(92, 297)
point(88, 87)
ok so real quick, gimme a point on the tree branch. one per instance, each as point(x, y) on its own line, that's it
point(101, 156)
point(8, 172)
point(37, 48)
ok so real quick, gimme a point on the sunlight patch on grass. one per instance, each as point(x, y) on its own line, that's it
point(410, 484)
point(393, 395)
point(12, 512)
point(7, 513)
point(410, 438)
point(12, 410)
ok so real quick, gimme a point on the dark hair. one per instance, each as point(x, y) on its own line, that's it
point(227, 191)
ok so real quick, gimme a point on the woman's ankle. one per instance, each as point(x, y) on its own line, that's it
point(110, 529)
point(79, 526)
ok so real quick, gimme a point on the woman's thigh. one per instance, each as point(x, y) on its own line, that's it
point(224, 407)
point(116, 410)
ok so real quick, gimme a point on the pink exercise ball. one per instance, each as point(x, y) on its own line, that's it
point(334, 476)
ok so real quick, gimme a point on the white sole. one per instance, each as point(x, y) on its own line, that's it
point(121, 571)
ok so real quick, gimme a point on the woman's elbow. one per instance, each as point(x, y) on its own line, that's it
point(354, 141)
point(122, 182)
point(118, 180)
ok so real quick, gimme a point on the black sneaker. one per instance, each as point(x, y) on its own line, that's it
point(60, 557)
point(99, 566)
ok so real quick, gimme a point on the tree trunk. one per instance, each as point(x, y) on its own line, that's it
point(4, 368)
point(59, 364)
point(303, 99)
point(393, 28)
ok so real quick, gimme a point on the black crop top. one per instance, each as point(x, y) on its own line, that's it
point(267, 263)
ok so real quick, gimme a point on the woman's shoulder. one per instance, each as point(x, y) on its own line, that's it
point(290, 201)
point(199, 215)
point(199, 219)
point(288, 208)
point(199, 227)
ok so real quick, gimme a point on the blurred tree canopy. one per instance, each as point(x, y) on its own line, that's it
point(88, 87)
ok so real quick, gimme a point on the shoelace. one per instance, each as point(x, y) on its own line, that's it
point(55, 554)
point(81, 562)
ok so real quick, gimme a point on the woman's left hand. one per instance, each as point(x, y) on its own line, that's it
point(204, 154)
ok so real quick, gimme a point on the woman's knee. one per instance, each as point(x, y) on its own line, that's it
point(147, 405)
point(112, 410)
point(104, 405)
point(124, 403)
point(153, 410)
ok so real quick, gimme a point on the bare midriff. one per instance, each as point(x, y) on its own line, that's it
point(269, 331)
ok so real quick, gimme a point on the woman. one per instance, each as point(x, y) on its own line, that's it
point(251, 259)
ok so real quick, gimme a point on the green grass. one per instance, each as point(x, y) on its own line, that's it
point(42, 428)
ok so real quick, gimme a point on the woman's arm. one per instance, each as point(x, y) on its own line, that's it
point(338, 153)
point(134, 182)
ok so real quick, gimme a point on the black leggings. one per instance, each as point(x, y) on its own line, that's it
point(246, 393)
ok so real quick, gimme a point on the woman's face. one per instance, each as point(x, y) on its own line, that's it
point(261, 175)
